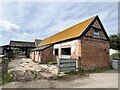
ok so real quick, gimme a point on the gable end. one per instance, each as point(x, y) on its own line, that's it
point(95, 25)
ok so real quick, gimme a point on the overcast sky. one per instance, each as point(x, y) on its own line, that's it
point(30, 20)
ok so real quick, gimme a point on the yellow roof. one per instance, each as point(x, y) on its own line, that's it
point(72, 32)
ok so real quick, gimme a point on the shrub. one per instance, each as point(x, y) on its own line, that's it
point(115, 56)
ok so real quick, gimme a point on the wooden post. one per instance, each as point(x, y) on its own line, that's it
point(59, 50)
point(5, 62)
point(78, 64)
point(1, 58)
point(58, 64)
point(59, 56)
point(39, 56)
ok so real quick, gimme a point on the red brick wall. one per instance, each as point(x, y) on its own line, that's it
point(94, 53)
point(90, 33)
point(47, 55)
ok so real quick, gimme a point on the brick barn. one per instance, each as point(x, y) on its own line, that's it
point(86, 41)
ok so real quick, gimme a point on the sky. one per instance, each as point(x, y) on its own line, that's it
point(27, 21)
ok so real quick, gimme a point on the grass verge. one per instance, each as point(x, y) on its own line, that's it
point(84, 72)
point(9, 78)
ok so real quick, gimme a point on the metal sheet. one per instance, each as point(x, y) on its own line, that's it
point(68, 65)
point(67, 69)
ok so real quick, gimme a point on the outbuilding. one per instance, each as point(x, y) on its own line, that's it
point(87, 42)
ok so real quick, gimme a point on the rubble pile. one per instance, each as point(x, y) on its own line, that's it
point(28, 75)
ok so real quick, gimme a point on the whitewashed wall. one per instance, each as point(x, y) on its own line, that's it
point(75, 48)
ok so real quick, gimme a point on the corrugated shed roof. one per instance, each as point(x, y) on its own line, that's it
point(72, 32)
point(41, 47)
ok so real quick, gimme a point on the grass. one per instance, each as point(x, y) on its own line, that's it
point(97, 70)
point(0, 79)
point(84, 72)
point(9, 78)
point(51, 63)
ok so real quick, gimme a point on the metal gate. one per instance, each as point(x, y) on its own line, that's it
point(67, 64)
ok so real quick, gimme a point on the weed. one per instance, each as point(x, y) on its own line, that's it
point(84, 72)
point(9, 78)
point(51, 63)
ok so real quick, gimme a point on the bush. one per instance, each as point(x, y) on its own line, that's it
point(52, 63)
point(115, 56)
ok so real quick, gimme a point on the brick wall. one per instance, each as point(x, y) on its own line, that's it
point(94, 53)
point(47, 55)
point(90, 33)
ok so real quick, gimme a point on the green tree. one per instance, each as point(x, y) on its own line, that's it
point(115, 41)
point(115, 44)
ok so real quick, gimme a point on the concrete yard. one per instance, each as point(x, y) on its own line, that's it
point(108, 79)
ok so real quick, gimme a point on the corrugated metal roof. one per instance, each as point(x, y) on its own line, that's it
point(72, 32)
point(41, 47)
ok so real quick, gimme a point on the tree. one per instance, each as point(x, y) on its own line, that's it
point(115, 41)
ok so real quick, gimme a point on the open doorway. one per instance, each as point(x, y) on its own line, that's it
point(56, 52)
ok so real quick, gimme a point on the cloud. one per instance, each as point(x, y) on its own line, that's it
point(8, 26)
point(30, 20)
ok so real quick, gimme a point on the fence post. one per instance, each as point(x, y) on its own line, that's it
point(77, 64)
point(58, 63)
point(1, 58)
point(5, 62)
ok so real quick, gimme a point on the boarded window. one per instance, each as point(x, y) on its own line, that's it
point(56, 52)
point(66, 51)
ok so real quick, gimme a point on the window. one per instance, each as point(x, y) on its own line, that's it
point(56, 52)
point(66, 51)
point(96, 33)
